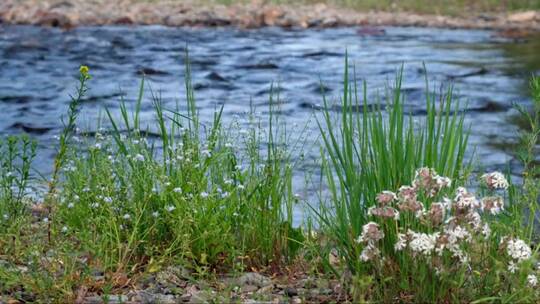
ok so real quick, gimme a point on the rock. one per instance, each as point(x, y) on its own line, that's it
point(201, 297)
point(53, 19)
point(149, 298)
point(291, 292)
point(249, 288)
point(253, 278)
point(270, 16)
point(527, 16)
point(266, 289)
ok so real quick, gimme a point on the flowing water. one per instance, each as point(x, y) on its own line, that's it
point(39, 66)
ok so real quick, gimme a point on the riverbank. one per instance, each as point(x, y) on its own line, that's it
point(72, 13)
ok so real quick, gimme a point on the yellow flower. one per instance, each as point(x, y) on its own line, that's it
point(84, 71)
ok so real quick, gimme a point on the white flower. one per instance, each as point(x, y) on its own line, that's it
point(94, 205)
point(518, 250)
point(204, 194)
point(46, 220)
point(401, 243)
point(369, 252)
point(86, 189)
point(107, 199)
point(70, 205)
point(495, 180)
point(532, 280)
point(76, 197)
point(423, 243)
point(170, 208)
point(224, 194)
point(64, 229)
point(138, 157)
point(177, 190)
point(155, 214)
point(5, 216)
point(512, 267)
point(370, 233)
point(127, 216)
point(97, 146)
point(240, 187)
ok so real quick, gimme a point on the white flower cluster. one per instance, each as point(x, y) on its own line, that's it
point(422, 243)
point(518, 250)
point(371, 234)
point(495, 180)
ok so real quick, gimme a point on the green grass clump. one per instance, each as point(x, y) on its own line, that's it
point(398, 215)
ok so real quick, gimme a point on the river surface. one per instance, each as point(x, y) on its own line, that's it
point(39, 66)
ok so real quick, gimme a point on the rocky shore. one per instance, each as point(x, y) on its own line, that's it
point(72, 13)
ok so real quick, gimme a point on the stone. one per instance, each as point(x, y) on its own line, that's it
point(249, 288)
point(526, 16)
point(253, 278)
point(291, 292)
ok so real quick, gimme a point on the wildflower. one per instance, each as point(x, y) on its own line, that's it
point(370, 233)
point(384, 212)
point(204, 194)
point(486, 231)
point(518, 250)
point(532, 280)
point(107, 199)
point(401, 243)
point(6, 216)
point(512, 267)
point(95, 205)
point(138, 157)
point(423, 243)
point(46, 220)
point(170, 208)
point(86, 189)
point(155, 214)
point(76, 197)
point(177, 190)
point(228, 181)
point(97, 146)
point(386, 197)
point(465, 200)
point(84, 70)
point(127, 216)
point(369, 252)
point(64, 229)
point(493, 204)
point(70, 205)
point(495, 180)
point(240, 187)
point(436, 213)
point(224, 194)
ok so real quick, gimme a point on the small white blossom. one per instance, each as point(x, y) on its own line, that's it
point(177, 190)
point(70, 205)
point(64, 229)
point(127, 216)
point(204, 194)
point(155, 214)
point(518, 250)
point(532, 280)
point(170, 208)
point(495, 180)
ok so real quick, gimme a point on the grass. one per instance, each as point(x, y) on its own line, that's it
point(218, 199)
